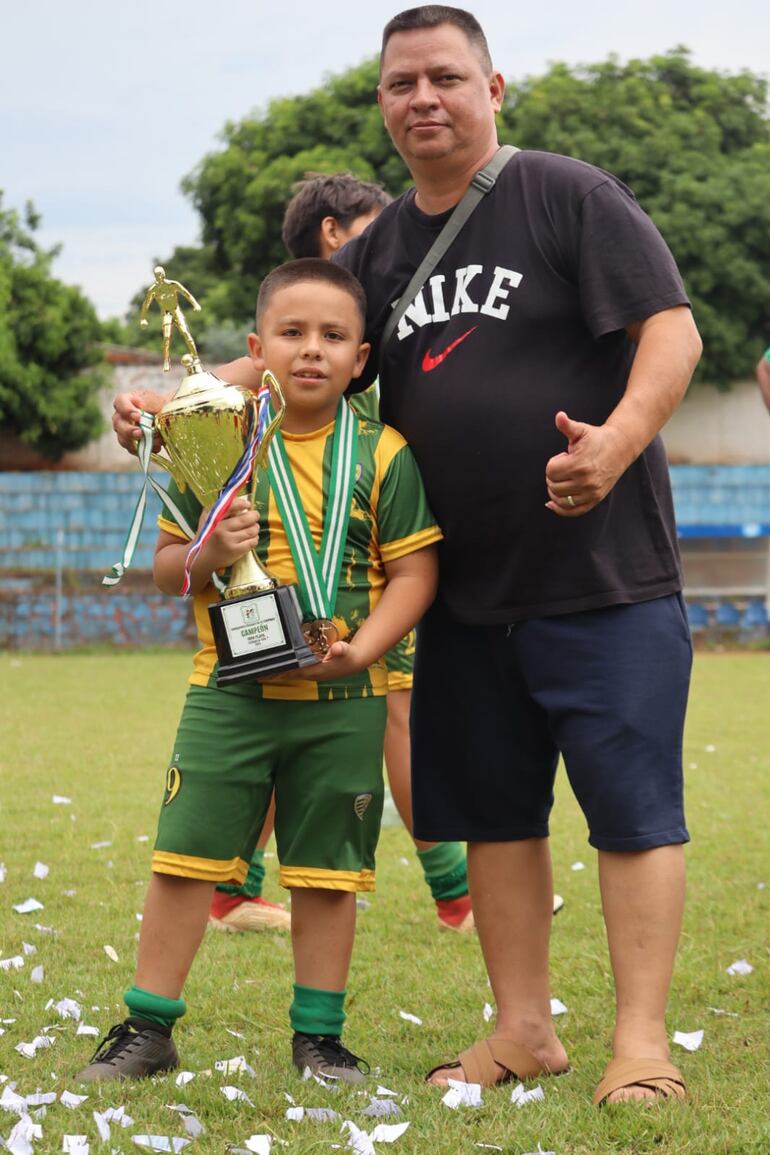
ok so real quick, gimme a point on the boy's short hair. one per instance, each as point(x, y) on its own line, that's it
point(431, 16)
point(340, 195)
point(310, 269)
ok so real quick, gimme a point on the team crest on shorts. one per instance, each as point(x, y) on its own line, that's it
point(173, 784)
point(361, 805)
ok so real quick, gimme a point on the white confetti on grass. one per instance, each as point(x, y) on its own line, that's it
point(67, 1009)
point(184, 1077)
point(461, 1094)
point(28, 906)
point(521, 1097)
point(101, 845)
point(111, 952)
point(691, 1040)
point(3, 872)
point(160, 1142)
point(28, 948)
point(84, 1029)
point(558, 1007)
point(381, 1108)
point(71, 1100)
point(190, 1120)
point(259, 1144)
point(14, 962)
point(75, 1145)
point(39, 1043)
point(409, 1018)
point(40, 870)
point(36, 975)
point(578, 866)
point(61, 800)
point(488, 1012)
point(236, 1095)
point(719, 1011)
point(740, 967)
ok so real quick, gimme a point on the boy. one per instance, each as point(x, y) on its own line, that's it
point(325, 213)
point(315, 736)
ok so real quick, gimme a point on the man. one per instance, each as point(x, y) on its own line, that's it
point(531, 376)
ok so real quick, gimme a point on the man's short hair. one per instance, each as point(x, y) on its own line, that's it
point(431, 16)
point(310, 269)
point(340, 195)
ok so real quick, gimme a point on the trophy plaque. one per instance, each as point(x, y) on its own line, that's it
point(209, 430)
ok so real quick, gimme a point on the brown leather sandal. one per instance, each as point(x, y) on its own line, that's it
point(659, 1075)
point(481, 1063)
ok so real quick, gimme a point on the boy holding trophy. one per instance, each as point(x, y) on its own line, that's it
point(313, 735)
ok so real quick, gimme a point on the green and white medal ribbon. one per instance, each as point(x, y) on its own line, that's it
point(318, 574)
point(144, 453)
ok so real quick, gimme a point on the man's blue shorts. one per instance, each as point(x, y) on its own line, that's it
point(494, 706)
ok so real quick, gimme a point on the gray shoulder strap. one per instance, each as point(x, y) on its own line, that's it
point(483, 182)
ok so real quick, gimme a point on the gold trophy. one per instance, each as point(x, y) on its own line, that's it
point(204, 429)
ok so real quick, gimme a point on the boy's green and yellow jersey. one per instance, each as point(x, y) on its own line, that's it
point(390, 518)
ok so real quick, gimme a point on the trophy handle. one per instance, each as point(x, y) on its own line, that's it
point(168, 465)
point(268, 378)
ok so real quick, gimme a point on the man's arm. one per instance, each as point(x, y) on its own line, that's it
point(127, 411)
point(235, 535)
point(240, 372)
point(763, 377)
point(668, 349)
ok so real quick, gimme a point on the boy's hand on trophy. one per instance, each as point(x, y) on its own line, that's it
point(127, 410)
point(341, 660)
point(235, 535)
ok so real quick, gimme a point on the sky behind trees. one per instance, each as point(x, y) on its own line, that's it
point(104, 108)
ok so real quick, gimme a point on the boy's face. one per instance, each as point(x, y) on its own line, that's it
point(310, 339)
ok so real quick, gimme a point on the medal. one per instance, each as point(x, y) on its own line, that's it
point(320, 635)
point(318, 571)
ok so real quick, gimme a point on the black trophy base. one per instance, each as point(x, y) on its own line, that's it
point(258, 635)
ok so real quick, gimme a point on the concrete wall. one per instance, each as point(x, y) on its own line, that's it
point(713, 428)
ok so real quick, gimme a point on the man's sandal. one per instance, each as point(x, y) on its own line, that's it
point(481, 1063)
point(659, 1075)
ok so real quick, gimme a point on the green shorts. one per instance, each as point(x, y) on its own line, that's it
point(400, 663)
point(324, 760)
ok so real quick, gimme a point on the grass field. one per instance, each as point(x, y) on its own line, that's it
point(97, 728)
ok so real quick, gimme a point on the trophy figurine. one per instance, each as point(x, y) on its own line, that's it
point(209, 432)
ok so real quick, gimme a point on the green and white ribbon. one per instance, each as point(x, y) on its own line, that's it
point(318, 575)
point(144, 453)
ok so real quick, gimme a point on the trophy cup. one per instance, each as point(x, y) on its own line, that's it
point(205, 429)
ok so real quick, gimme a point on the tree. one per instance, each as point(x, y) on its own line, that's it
point(50, 360)
point(693, 143)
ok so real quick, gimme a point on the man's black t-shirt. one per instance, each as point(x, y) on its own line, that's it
point(524, 316)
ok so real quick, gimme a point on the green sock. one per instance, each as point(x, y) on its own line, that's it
point(317, 1012)
point(252, 886)
point(444, 866)
point(154, 1008)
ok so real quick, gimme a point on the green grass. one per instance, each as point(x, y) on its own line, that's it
point(97, 728)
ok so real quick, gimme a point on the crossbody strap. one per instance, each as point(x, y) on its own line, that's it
point(483, 182)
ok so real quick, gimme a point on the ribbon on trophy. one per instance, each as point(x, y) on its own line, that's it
point(243, 470)
point(318, 573)
point(144, 453)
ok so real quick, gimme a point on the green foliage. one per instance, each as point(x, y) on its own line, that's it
point(694, 144)
point(50, 361)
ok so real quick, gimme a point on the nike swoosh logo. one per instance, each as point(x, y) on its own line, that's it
point(429, 362)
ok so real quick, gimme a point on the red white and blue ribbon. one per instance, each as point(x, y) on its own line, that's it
point(236, 481)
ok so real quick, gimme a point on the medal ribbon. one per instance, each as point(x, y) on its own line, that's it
point(318, 575)
point(237, 479)
point(144, 453)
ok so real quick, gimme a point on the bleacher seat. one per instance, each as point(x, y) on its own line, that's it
point(755, 619)
point(727, 616)
point(697, 616)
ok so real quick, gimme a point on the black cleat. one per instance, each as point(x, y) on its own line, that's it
point(325, 1055)
point(131, 1050)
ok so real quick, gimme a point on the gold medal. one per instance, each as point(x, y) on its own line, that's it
point(320, 634)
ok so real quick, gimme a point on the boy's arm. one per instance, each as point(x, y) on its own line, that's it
point(235, 535)
point(411, 588)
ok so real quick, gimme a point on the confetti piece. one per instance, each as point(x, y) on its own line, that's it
point(184, 1077)
point(521, 1097)
point(68, 1009)
point(160, 1142)
point(235, 1094)
point(102, 846)
point(741, 967)
point(388, 1132)
point(558, 1007)
point(70, 1099)
point(410, 1018)
point(111, 952)
point(29, 1050)
point(259, 1144)
point(75, 1145)
point(83, 1029)
point(488, 1012)
point(28, 948)
point(2, 872)
point(60, 800)
point(462, 1094)
point(691, 1041)
point(28, 906)
point(381, 1108)
point(578, 866)
point(15, 962)
point(719, 1011)
point(37, 974)
point(40, 870)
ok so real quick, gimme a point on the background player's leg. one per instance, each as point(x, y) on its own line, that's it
point(241, 908)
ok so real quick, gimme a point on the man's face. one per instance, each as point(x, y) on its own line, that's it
point(437, 100)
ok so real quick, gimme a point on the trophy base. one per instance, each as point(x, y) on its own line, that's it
point(259, 634)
